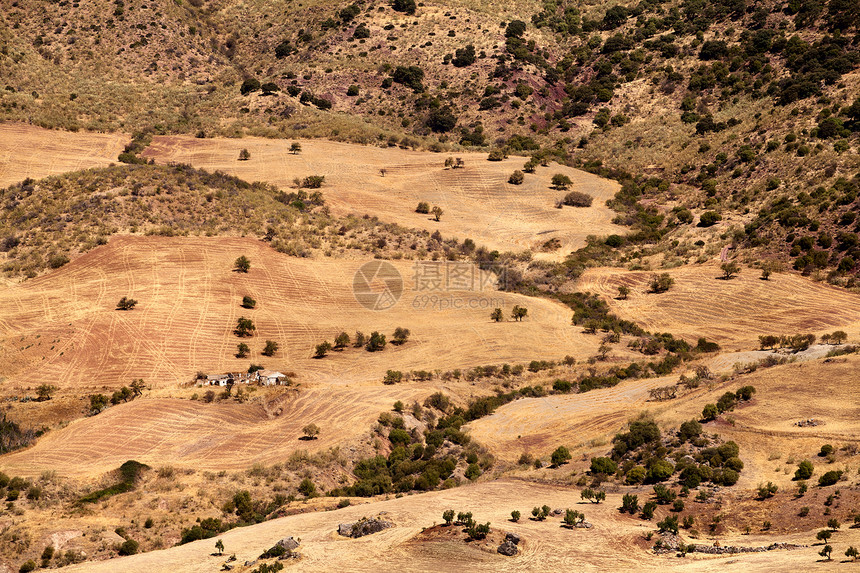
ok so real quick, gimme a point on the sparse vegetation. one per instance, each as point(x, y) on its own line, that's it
point(126, 303)
point(242, 264)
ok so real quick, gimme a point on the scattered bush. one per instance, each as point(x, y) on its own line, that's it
point(577, 199)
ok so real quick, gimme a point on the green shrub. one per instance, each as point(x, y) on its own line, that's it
point(804, 470)
point(560, 456)
point(250, 85)
point(709, 218)
point(829, 478)
point(603, 466)
point(130, 547)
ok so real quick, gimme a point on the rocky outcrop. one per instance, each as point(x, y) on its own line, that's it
point(508, 548)
point(363, 527)
point(670, 543)
point(288, 543)
point(509, 545)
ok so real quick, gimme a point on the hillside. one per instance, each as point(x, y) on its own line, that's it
point(271, 266)
point(477, 200)
point(615, 542)
point(746, 113)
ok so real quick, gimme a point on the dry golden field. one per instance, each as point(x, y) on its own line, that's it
point(477, 201)
point(62, 328)
point(28, 151)
point(731, 312)
point(209, 437)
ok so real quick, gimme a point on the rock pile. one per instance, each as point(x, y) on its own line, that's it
point(671, 543)
point(509, 545)
point(363, 527)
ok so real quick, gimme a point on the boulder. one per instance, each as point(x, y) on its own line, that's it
point(513, 538)
point(584, 525)
point(288, 543)
point(508, 548)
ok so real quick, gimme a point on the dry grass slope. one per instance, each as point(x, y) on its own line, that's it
point(27, 151)
point(478, 202)
point(213, 437)
point(733, 312)
point(61, 328)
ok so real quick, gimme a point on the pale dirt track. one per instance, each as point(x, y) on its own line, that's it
point(61, 328)
point(28, 151)
point(614, 544)
point(477, 200)
point(734, 312)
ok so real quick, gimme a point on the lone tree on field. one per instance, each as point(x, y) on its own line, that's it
point(242, 350)
point(295, 148)
point(767, 269)
point(244, 155)
point(561, 182)
point(730, 269)
point(516, 178)
point(271, 348)
point(401, 335)
point(126, 303)
point(242, 264)
point(423, 207)
point(826, 551)
point(437, 212)
point(45, 391)
point(519, 312)
point(248, 302)
point(497, 315)
point(244, 327)
point(311, 431)
point(322, 349)
point(623, 292)
point(219, 547)
point(661, 283)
